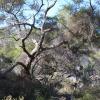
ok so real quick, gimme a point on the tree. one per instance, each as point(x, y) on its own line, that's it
point(50, 42)
point(17, 19)
point(80, 26)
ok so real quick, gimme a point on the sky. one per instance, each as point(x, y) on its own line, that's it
point(60, 4)
point(56, 8)
point(53, 11)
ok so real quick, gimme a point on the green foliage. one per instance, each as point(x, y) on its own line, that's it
point(82, 10)
point(2, 34)
point(14, 53)
point(77, 1)
point(97, 32)
point(1, 50)
point(78, 94)
point(87, 72)
point(40, 98)
point(17, 2)
point(30, 46)
point(65, 13)
point(66, 16)
point(10, 5)
point(68, 7)
point(50, 36)
point(88, 96)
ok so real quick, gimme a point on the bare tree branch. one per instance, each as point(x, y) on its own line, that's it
point(91, 6)
point(17, 20)
point(43, 31)
point(22, 24)
point(32, 57)
point(48, 8)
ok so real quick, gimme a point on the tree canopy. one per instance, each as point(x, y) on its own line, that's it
point(48, 57)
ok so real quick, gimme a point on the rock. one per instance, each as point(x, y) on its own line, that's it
point(84, 61)
point(17, 70)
